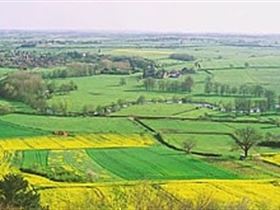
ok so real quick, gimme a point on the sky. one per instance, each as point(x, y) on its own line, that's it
point(153, 16)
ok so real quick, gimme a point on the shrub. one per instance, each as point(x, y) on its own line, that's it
point(16, 193)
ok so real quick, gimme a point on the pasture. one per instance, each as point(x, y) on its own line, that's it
point(159, 109)
point(75, 124)
point(101, 90)
point(207, 127)
point(268, 78)
point(206, 143)
point(11, 130)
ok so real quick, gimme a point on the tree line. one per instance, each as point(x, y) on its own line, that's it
point(151, 84)
point(221, 89)
point(182, 57)
point(31, 89)
point(266, 99)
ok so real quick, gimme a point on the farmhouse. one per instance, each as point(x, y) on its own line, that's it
point(172, 74)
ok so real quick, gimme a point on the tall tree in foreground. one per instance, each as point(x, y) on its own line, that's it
point(16, 193)
point(246, 138)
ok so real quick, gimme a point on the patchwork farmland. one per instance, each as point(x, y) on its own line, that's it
point(142, 123)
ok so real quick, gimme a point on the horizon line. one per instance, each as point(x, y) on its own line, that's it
point(139, 31)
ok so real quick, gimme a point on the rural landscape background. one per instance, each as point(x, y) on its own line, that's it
point(147, 120)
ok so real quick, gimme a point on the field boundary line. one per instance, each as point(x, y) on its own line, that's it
point(161, 140)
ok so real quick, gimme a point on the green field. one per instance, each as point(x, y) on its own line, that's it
point(75, 124)
point(268, 78)
point(105, 90)
point(160, 109)
point(155, 163)
point(11, 130)
point(189, 126)
point(61, 165)
point(167, 110)
point(35, 159)
point(219, 144)
point(116, 164)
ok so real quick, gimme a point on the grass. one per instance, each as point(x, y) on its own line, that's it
point(209, 136)
point(10, 130)
point(4, 71)
point(75, 124)
point(190, 126)
point(197, 113)
point(105, 89)
point(253, 168)
point(174, 126)
point(34, 159)
point(268, 78)
point(16, 106)
point(154, 163)
point(156, 109)
point(219, 144)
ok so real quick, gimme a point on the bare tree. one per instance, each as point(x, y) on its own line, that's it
point(276, 122)
point(188, 145)
point(246, 138)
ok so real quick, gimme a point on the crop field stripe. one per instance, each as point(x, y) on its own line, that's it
point(35, 158)
point(11, 130)
point(157, 163)
point(109, 159)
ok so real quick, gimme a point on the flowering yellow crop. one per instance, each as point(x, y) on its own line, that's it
point(90, 196)
point(76, 142)
point(258, 192)
point(71, 198)
point(5, 167)
point(272, 158)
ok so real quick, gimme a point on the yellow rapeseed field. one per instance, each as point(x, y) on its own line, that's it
point(4, 162)
point(258, 192)
point(76, 142)
point(79, 198)
point(272, 158)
